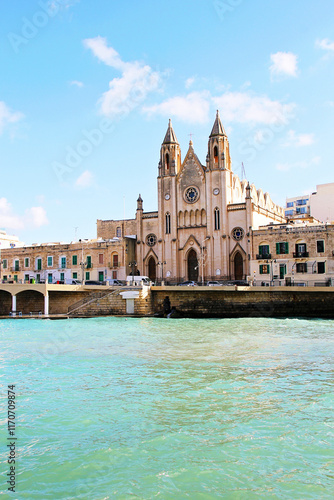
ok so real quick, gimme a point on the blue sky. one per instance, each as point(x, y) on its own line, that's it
point(87, 88)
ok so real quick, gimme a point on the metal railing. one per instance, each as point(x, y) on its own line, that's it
point(297, 255)
point(263, 256)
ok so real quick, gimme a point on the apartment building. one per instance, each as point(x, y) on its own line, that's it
point(83, 260)
point(293, 254)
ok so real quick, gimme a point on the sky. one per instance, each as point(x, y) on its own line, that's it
point(87, 88)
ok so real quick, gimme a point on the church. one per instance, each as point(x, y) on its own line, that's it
point(205, 214)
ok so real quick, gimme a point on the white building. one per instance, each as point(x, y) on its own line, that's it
point(9, 241)
point(322, 203)
point(298, 207)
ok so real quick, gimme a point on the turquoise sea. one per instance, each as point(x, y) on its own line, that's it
point(169, 408)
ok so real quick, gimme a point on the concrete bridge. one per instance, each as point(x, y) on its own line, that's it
point(28, 298)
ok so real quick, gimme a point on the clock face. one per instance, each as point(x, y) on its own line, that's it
point(167, 196)
point(216, 191)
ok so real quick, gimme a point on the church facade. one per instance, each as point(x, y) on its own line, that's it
point(201, 230)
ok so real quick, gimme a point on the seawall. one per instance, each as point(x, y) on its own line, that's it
point(195, 302)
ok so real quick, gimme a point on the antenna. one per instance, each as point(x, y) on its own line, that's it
point(243, 171)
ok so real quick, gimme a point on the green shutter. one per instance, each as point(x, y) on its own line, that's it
point(74, 260)
point(261, 269)
point(286, 247)
point(260, 250)
point(278, 248)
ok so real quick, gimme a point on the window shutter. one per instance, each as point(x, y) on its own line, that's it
point(286, 247)
point(260, 251)
point(278, 248)
point(261, 268)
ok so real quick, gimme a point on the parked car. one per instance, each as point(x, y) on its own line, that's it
point(92, 282)
point(137, 280)
point(213, 283)
point(114, 282)
point(75, 282)
point(188, 283)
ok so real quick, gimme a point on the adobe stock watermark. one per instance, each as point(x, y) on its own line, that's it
point(250, 147)
point(93, 138)
point(31, 27)
point(225, 7)
point(75, 155)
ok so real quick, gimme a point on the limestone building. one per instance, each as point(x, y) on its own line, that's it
point(98, 260)
point(201, 230)
point(297, 253)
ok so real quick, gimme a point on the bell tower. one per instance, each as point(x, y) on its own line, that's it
point(169, 166)
point(218, 157)
point(170, 154)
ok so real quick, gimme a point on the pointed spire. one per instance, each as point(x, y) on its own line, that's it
point(170, 136)
point(140, 203)
point(217, 128)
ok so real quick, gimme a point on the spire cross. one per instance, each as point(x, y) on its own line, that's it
point(191, 136)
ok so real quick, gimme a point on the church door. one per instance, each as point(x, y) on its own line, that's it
point(238, 266)
point(192, 266)
point(152, 269)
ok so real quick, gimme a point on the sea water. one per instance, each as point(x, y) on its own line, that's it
point(169, 408)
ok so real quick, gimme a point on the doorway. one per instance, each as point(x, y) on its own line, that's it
point(152, 269)
point(192, 266)
point(238, 266)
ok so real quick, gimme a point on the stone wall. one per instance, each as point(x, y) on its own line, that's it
point(5, 303)
point(247, 302)
point(59, 302)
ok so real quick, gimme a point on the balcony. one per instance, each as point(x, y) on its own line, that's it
point(16, 269)
point(113, 265)
point(89, 265)
point(264, 256)
point(300, 255)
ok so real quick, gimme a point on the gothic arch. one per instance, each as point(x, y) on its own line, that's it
point(181, 219)
point(186, 218)
point(192, 218)
point(152, 268)
point(198, 218)
point(192, 265)
point(203, 217)
point(238, 263)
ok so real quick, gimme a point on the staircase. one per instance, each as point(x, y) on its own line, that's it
point(99, 304)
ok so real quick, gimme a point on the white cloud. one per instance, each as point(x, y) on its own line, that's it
point(285, 167)
point(298, 140)
point(325, 44)
point(77, 83)
point(33, 217)
point(128, 91)
point(283, 64)
point(189, 82)
point(7, 116)
point(36, 217)
point(244, 107)
point(193, 108)
point(85, 180)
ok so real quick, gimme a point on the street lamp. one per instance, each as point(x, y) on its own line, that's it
point(82, 263)
point(202, 258)
point(133, 264)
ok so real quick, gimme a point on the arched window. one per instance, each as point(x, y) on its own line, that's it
point(119, 232)
point(217, 219)
point(167, 223)
point(167, 161)
point(215, 154)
